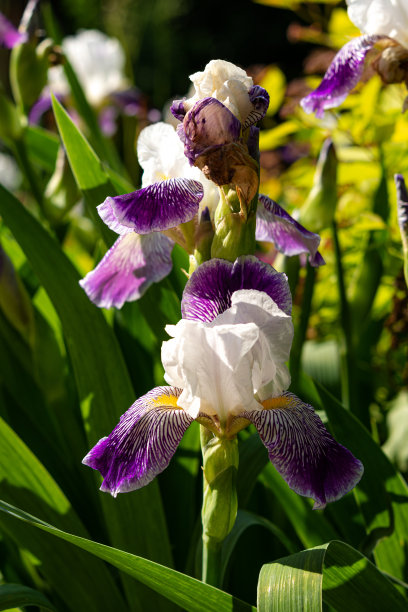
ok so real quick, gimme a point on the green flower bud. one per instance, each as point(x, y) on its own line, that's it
point(220, 468)
point(234, 226)
point(61, 192)
point(11, 128)
point(28, 71)
point(319, 209)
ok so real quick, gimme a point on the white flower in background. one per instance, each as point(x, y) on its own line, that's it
point(381, 17)
point(378, 20)
point(10, 175)
point(98, 61)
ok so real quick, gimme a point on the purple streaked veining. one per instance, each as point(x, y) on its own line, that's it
point(128, 269)
point(304, 452)
point(274, 224)
point(207, 126)
point(208, 292)
point(342, 75)
point(177, 109)
point(259, 98)
point(142, 444)
point(159, 206)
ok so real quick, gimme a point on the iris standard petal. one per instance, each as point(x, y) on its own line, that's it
point(303, 451)
point(207, 126)
point(128, 269)
point(143, 442)
point(159, 206)
point(208, 292)
point(9, 35)
point(341, 77)
point(274, 224)
point(259, 99)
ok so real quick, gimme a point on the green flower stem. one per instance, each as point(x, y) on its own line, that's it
point(220, 468)
point(301, 330)
point(211, 570)
point(346, 350)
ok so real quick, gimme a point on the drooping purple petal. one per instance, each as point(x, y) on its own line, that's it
point(159, 206)
point(208, 292)
point(402, 203)
point(9, 35)
point(105, 211)
point(274, 224)
point(128, 269)
point(208, 126)
point(303, 451)
point(260, 100)
point(341, 77)
point(177, 109)
point(143, 442)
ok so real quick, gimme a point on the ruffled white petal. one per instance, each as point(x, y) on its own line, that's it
point(225, 82)
point(381, 17)
point(222, 364)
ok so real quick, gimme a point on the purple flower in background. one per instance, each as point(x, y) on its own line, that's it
point(378, 20)
point(341, 77)
point(274, 224)
point(171, 195)
point(9, 35)
point(225, 363)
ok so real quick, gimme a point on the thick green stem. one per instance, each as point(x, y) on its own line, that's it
point(211, 569)
point(220, 467)
point(346, 349)
point(300, 333)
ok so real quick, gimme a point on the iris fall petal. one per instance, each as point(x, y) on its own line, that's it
point(302, 450)
point(142, 444)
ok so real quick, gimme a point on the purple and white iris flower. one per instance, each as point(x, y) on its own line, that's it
point(217, 122)
point(225, 366)
point(378, 20)
point(171, 194)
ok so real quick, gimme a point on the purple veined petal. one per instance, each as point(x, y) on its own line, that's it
point(128, 269)
point(105, 211)
point(9, 35)
point(143, 442)
point(159, 206)
point(177, 109)
point(402, 203)
point(341, 77)
point(208, 125)
point(208, 291)
point(302, 450)
point(259, 98)
point(274, 224)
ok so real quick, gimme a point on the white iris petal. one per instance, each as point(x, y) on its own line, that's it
point(225, 82)
point(381, 17)
point(222, 364)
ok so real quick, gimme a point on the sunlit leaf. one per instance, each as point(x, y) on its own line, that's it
point(334, 573)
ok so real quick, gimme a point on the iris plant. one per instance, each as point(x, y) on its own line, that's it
point(186, 176)
point(381, 21)
point(225, 363)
